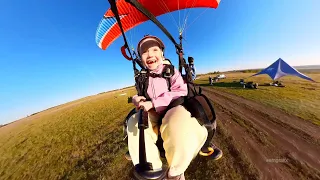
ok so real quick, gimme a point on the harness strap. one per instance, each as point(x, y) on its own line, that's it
point(209, 122)
point(142, 83)
point(169, 83)
point(167, 73)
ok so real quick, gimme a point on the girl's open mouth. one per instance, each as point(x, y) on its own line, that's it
point(151, 62)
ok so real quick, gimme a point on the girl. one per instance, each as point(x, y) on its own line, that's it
point(182, 135)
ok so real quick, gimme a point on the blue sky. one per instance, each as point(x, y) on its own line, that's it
point(48, 54)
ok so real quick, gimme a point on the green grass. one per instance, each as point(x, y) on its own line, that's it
point(300, 97)
point(50, 144)
point(84, 140)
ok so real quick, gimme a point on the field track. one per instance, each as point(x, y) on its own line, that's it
point(277, 145)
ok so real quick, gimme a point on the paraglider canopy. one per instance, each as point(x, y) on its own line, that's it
point(130, 16)
point(280, 68)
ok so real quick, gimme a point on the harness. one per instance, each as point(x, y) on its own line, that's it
point(142, 79)
point(167, 73)
point(195, 102)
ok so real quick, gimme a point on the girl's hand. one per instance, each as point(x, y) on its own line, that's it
point(147, 105)
point(137, 99)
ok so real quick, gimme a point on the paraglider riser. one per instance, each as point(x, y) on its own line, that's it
point(144, 169)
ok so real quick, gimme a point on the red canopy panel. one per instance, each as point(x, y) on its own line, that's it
point(108, 29)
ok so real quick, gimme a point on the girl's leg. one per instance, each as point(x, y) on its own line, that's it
point(152, 152)
point(183, 138)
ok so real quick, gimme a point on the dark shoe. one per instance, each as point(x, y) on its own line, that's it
point(213, 152)
point(127, 156)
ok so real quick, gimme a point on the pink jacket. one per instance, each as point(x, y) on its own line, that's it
point(158, 89)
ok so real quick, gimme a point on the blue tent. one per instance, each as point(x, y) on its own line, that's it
point(279, 69)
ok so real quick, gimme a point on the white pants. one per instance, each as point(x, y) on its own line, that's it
point(182, 137)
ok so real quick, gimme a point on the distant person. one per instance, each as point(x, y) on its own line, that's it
point(193, 68)
point(210, 80)
point(183, 136)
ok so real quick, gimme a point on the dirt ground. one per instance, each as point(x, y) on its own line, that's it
point(276, 144)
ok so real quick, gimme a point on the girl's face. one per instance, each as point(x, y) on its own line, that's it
point(152, 57)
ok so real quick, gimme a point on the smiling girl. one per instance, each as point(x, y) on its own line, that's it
point(182, 135)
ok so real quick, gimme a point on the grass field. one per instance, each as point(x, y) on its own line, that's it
point(300, 97)
point(55, 143)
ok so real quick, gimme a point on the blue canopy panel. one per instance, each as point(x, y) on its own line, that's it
point(280, 68)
